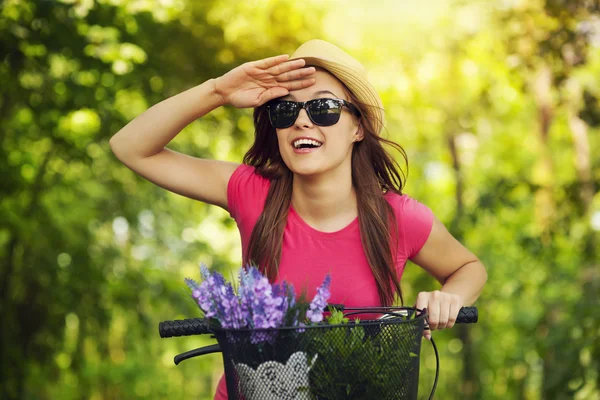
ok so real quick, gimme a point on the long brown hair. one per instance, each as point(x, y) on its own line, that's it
point(374, 172)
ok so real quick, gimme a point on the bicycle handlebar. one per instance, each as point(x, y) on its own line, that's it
point(183, 327)
point(199, 326)
point(467, 315)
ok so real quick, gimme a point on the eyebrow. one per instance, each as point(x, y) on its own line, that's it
point(315, 94)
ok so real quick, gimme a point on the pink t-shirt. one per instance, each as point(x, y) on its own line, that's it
point(308, 254)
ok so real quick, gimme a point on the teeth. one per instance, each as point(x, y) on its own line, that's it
point(300, 142)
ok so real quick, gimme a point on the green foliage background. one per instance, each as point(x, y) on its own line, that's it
point(496, 104)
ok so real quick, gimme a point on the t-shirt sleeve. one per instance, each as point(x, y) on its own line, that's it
point(416, 221)
point(246, 193)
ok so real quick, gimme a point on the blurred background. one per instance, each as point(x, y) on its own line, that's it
point(496, 104)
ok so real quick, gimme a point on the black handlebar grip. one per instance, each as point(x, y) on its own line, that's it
point(467, 315)
point(183, 327)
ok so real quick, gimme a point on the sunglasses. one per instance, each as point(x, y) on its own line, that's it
point(322, 112)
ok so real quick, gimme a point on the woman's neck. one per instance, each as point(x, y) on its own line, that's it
point(324, 202)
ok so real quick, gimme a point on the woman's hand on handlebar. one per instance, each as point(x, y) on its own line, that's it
point(442, 309)
point(256, 82)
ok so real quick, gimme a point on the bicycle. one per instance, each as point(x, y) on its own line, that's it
point(375, 358)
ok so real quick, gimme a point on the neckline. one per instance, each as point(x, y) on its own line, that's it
point(296, 218)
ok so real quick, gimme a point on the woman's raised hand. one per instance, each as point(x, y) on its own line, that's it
point(254, 83)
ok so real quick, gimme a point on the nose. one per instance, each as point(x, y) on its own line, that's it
point(303, 120)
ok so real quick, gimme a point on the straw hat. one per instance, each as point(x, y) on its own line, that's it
point(347, 69)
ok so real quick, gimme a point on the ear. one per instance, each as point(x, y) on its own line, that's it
point(360, 134)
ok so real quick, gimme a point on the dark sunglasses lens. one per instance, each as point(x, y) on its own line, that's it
point(283, 114)
point(325, 112)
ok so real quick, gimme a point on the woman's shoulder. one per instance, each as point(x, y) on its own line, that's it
point(414, 220)
point(401, 202)
point(245, 169)
point(407, 208)
point(248, 174)
point(246, 189)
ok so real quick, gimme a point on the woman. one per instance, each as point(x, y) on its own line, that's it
point(317, 192)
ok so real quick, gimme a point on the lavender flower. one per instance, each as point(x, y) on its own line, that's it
point(194, 287)
point(246, 295)
point(217, 299)
point(257, 303)
point(315, 310)
point(266, 303)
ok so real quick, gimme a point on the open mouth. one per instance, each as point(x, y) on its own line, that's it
point(306, 144)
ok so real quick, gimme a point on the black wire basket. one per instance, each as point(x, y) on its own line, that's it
point(370, 359)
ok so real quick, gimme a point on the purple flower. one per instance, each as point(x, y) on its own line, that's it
point(263, 305)
point(217, 299)
point(194, 287)
point(257, 304)
point(246, 295)
point(315, 310)
point(192, 284)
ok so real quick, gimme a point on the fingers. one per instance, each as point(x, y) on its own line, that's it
point(289, 75)
point(454, 310)
point(422, 300)
point(422, 304)
point(282, 68)
point(444, 316)
point(442, 309)
point(296, 74)
point(299, 84)
point(271, 61)
point(285, 88)
point(272, 93)
point(297, 79)
point(434, 309)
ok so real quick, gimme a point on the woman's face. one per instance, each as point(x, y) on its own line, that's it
point(334, 143)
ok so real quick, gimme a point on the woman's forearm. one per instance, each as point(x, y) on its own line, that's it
point(467, 282)
point(150, 132)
